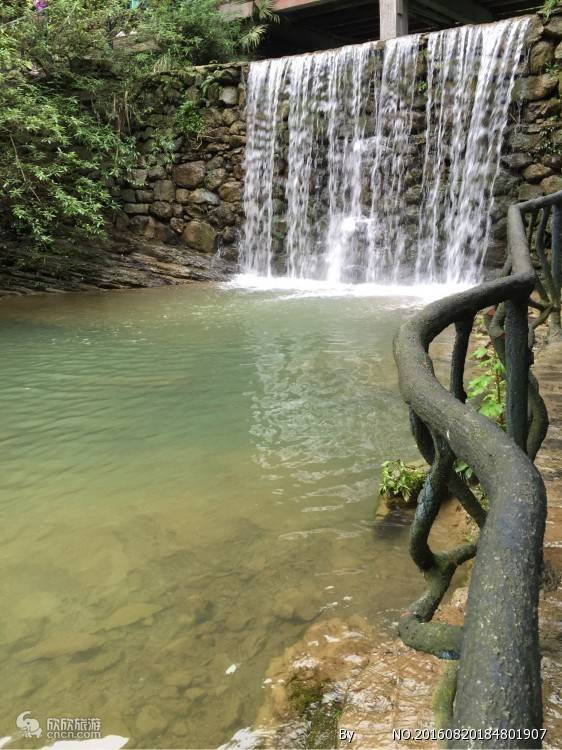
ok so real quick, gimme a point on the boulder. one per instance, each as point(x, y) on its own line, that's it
point(229, 75)
point(161, 209)
point(542, 109)
point(204, 196)
point(495, 254)
point(517, 161)
point(180, 679)
point(104, 661)
point(558, 53)
point(554, 161)
point(137, 177)
point(231, 191)
point(61, 644)
point(200, 236)
point(217, 161)
point(164, 233)
point(505, 183)
point(155, 173)
point(164, 190)
point(536, 172)
point(177, 224)
point(189, 175)
point(136, 208)
point(144, 196)
point(535, 30)
point(238, 127)
point(293, 606)
point(528, 192)
point(520, 141)
point(222, 216)
point(182, 195)
point(229, 95)
point(181, 728)
point(552, 184)
point(140, 225)
point(128, 195)
point(213, 118)
point(129, 614)
point(533, 88)
point(229, 116)
point(215, 178)
point(553, 28)
point(237, 140)
point(121, 221)
point(541, 55)
point(151, 722)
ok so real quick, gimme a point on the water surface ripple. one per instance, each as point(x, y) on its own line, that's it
point(189, 477)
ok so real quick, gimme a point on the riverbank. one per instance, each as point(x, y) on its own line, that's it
point(341, 676)
point(372, 688)
point(395, 689)
point(121, 262)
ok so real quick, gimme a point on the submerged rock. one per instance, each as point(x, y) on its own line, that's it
point(181, 679)
point(129, 614)
point(104, 661)
point(151, 722)
point(62, 644)
point(293, 605)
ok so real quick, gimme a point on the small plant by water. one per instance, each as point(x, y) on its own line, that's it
point(400, 483)
point(487, 390)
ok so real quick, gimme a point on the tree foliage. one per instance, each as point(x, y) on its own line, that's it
point(71, 83)
point(549, 6)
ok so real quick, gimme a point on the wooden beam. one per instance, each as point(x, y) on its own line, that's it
point(393, 13)
point(306, 37)
point(394, 18)
point(459, 11)
point(244, 9)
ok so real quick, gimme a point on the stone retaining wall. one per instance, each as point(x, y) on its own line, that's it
point(188, 190)
point(191, 193)
point(532, 158)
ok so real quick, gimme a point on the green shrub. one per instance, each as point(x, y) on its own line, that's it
point(72, 91)
point(549, 6)
point(487, 390)
point(401, 484)
point(189, 119)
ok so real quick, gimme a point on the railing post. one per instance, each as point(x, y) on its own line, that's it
point(393, 18)
point(517, 370)
point(556, 265)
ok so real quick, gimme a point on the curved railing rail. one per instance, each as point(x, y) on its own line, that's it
point(498, 684)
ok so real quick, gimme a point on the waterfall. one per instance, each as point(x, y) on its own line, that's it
point(377, 162)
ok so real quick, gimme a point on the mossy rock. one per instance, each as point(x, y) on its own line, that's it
point(321, 717)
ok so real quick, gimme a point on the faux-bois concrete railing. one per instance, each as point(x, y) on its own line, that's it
point(498, 683)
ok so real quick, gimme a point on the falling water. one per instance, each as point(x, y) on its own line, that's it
point(360, 167)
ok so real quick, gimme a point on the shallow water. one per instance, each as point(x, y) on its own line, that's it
point(189, 479)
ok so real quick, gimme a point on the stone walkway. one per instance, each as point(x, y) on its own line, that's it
point(548, 370)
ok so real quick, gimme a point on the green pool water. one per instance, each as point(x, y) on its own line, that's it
point(188, 481)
